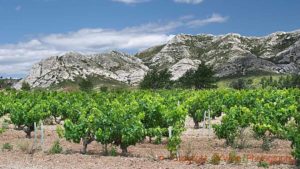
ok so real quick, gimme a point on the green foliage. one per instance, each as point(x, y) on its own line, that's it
point(6, 100)
point(103, 89)
point(122, 126)
point(124, 118)
point(7, 146)
point(291, 81)
point(174, 142)
point(263, 164)
point(295, 138)
point(236, 119)
point(29, 108)
point(240, 84)
point(157, 80)
point(56, 148)
point(202, 78)
point(2, 130)
point(80, 128)
point(86, 85)
point(25, 86)
point(60, 131)
point(202, 102)
point(274, 109)
point(113, 151)
point(115, 121)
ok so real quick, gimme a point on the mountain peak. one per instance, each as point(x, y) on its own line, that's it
point(230, 54)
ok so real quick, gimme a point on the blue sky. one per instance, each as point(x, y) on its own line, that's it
point(31, 30)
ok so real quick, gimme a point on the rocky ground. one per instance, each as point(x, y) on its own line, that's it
point(144, 155)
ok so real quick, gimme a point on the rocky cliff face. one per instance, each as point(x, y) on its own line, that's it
point(230, 54)
point(114, 66)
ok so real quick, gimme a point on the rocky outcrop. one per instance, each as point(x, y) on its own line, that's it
point(115, 66)
point(182, 66)
point(230, 54)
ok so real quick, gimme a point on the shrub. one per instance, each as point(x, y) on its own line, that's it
point(2, 130)
point(113, 151)
point(200, 160)
point(86, 85)
point(25, 86)
point(234, 158)
point(56, 148)
point(215, 159)
point(60, 131)
point(25, 147)
point(266, 145)
point(5, 124)
point(173, 145)
point(240, 84)
point(103, 88)
point(7, 146)
point(156, 79)
point(263, 164)
point(158, 140)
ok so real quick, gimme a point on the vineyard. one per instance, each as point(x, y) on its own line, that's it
point(126, 118)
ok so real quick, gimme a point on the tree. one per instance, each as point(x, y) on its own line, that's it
point(202, 78)
point(290, 81)
point(86, 85)
point(241, 84)
point(25, 86)
point(187, 80)
point(157, 80)
point(295, 81)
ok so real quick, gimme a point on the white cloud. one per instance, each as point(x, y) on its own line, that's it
point(189, 1)
point(18, 58)
point(98, 40)
point(130, 1)
point(215, 18)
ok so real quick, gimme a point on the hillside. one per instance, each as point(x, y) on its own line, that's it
point(114, 67)
point(230, 55)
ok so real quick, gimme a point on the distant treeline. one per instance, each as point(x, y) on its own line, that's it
point(203, 78)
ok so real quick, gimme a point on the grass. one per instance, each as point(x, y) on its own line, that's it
point(25, 147)
point(215, 159)
point(56, 148)
point(225, 82)
point(2, 130)
point(263, 164)
point(7, 146)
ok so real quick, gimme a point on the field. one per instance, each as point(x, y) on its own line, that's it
point(136, 116)
point(144, 155)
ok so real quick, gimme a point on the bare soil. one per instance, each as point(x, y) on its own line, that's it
point(145, 155)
